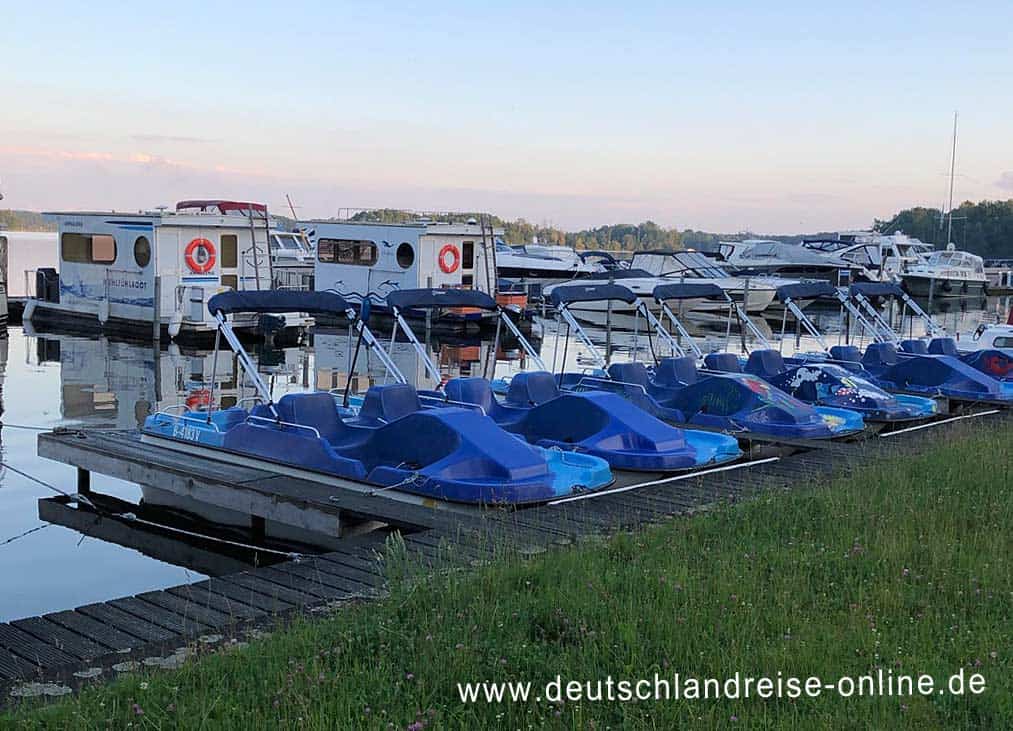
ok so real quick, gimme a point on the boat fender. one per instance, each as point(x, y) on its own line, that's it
point(175, 323)
point(103, 311)
point(190, 256)
point(451, 252)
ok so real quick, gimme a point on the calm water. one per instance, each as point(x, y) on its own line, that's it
point(51, 380)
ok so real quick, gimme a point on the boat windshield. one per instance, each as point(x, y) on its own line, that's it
point(957, 259)
point(678, 263)
point(289, 242)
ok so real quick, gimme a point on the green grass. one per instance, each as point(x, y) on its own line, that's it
point(904, 567)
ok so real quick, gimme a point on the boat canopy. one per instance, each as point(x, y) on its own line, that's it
point(876, 289)
point(404, 299)
point(274, 301)
point(686, 291)
point(222, 206)
point(591, 293)
point(806, 291)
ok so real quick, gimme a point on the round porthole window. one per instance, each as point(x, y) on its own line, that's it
point(405, 255)
point(142, 251)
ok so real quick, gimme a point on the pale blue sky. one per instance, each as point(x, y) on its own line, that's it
point(784, 117)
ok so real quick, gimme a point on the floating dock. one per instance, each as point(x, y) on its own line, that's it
point(148, 629)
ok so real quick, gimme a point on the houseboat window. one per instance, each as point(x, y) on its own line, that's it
point(405, 255)
point(467, 254)
point(230, 251)
point(1003, 343)
point(142, 251)
point(87, 248)
point(230, 280)
point(347, 251)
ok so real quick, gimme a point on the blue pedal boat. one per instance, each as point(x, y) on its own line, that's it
point(676, 392)
point(723, 398)
point(451, 454)
point(534, 409)
point(593, 422)
point(993, 362)
point(829, 384)
point(930, 375)
point(815, 383)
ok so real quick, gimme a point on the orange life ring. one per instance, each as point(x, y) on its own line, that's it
point(455, 259)
point(190, 256)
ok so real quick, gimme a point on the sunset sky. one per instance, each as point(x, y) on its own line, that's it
point(783, 117)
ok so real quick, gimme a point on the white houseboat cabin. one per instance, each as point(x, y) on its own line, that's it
point(358, 258)
point(127, 271)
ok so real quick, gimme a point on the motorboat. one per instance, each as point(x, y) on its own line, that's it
point(762, 257)
point(676, 390)
point(392, 442)
point(754, 293)
point(882, 257)
point(949, 273)
point(535, 409)
point(538, 265)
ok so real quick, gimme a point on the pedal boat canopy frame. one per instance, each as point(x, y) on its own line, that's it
point(402, 300)
point(281, 301)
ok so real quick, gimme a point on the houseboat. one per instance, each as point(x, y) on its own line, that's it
point(364, 259)
point(151, 273)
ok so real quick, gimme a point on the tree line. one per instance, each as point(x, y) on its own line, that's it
point(984, 228)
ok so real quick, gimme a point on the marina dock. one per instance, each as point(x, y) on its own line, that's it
point(149, 628)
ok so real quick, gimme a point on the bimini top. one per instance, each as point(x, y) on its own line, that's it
point(876, 289)
point(313, 303)
point(591, 293)
point(806, 291)
point(222, 206)
point(688, 291)
point(430, 299)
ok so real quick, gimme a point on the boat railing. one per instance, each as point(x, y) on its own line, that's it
point(191, 416)
point(279, 422)
point(611, 382)
point(465, 404)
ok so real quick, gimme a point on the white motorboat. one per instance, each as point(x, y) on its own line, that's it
point(949, 273)
point(882, 257)
point(778, 258)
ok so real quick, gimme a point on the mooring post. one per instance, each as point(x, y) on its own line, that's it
point(83, 481)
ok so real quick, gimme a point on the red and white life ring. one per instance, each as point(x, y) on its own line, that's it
point(454, 254)
point(200, 263)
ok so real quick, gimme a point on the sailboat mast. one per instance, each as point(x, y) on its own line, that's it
point(953, 163)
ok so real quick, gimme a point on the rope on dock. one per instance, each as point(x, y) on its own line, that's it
point(663, 481)
point(938, 423)
point(28, 532)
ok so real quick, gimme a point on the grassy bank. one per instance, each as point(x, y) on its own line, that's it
point(905, 567)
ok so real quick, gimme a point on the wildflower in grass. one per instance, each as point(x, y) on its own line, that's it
point(906, 572)
point(144, 686)
point(409, 676)
point(138, 711)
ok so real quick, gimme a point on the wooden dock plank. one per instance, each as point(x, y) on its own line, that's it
point(244, 595)
point(126, 622)
point(188, 609)
point(170, 620)
point(32, 649)
point(293, 597)
point(95, 630)
point(204, 597)
point(367, 580)
point(62, 638)
point(14, 667)
point(313, 586)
